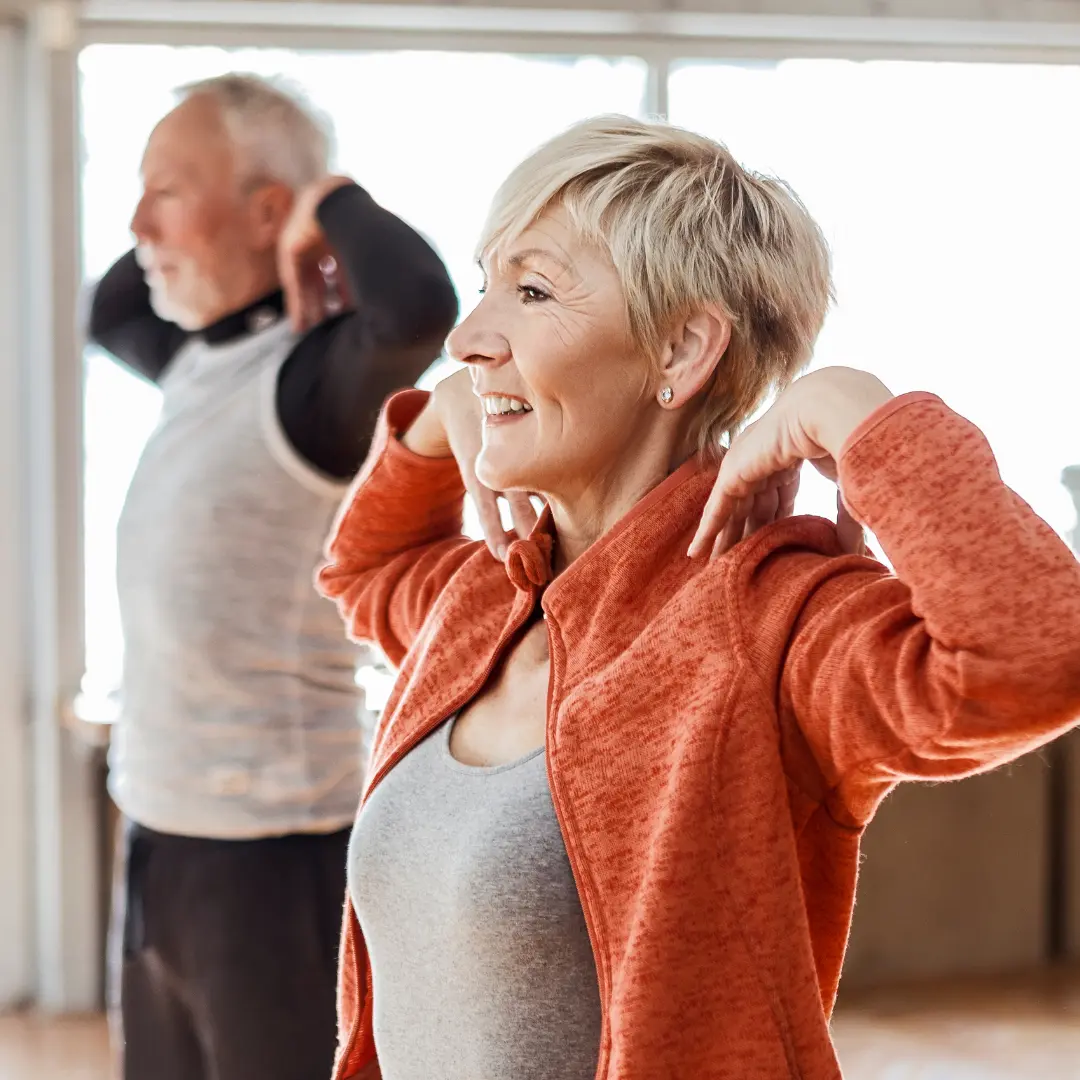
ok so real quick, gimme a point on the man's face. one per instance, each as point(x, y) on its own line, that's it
point(195, 226)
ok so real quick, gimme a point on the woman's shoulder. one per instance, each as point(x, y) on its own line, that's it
point(802, 533)
point(771, 572)
point(770, 577)
point(790, 555)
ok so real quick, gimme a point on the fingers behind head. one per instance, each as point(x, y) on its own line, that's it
point(764, 510)
point(290, 286)
point(487, 509)
point(851, 534)
point(522, 513)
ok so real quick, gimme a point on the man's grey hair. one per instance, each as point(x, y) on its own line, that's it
point(278, 134)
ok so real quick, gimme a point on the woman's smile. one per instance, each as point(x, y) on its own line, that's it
point(502, 409)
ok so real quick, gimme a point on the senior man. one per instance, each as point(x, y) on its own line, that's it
point(276, 307)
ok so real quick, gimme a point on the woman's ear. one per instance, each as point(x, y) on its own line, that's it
point(694, 351)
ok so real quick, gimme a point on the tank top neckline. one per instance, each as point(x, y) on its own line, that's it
point(478, 770)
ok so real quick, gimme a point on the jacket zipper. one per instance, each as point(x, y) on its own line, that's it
point(561, 816)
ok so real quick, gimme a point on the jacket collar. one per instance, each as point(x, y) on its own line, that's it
point(617, 584)
point(624, 558)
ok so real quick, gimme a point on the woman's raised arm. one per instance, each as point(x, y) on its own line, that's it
point(398, 539)
point(966, 658)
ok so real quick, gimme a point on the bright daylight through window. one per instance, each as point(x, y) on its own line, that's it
point(948, 195)
point(946, 192)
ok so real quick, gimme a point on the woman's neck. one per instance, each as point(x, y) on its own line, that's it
point(580, 519)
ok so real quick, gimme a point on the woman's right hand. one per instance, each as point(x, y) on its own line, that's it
point(452, 422)
point(811, 420)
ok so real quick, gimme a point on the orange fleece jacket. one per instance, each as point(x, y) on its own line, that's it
point(719, 734)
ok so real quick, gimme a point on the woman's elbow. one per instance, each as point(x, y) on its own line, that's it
point(336, 580)
point(1037, 687)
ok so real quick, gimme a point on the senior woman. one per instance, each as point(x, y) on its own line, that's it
point(613, 817)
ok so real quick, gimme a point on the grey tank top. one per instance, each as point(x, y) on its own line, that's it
point(481, 963)
point(240, 712)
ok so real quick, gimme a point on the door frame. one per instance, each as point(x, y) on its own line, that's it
point(65, 799)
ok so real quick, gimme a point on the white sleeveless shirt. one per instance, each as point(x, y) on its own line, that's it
point(240, 715)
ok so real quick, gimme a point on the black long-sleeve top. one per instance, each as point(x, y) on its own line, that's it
point(335, 380)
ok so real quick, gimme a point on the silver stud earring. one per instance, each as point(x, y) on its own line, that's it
point(666, 395)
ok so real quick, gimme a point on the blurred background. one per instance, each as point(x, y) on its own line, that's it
point(938, 145)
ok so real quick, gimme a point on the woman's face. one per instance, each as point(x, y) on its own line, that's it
point(566, 394)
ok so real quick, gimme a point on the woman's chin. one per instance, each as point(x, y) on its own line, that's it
point(499, 474)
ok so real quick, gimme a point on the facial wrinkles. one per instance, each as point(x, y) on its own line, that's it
point(578, 333)
point(578, 313)
point(574, 310)
point(584, 297)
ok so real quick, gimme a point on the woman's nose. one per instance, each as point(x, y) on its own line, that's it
point(475, 340)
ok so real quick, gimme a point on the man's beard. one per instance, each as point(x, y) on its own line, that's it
point(185, 297)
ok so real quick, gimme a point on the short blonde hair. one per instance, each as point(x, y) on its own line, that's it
point(687, 228)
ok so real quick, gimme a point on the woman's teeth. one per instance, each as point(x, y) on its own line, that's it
point(502, 406)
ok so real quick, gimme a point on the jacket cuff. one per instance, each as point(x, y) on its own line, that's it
point(880, 415)
point(406, 469)
point(895, 465)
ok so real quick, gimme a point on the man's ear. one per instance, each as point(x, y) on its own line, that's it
point(268, 209)
point(694, 350)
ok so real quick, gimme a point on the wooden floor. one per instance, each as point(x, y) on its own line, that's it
point(1007, 1029)
point(68, 1049)
point(989, 1029)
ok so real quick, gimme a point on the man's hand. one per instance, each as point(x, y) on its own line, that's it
point(452, 423)
point(302, 248)
point(810, 421)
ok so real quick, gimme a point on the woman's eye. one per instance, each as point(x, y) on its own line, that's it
point(532, 295)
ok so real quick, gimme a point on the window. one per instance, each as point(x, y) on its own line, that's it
point(435, 157)
point(947, 193)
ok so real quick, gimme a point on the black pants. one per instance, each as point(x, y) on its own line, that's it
point(224, 956)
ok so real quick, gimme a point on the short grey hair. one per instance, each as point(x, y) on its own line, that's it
point(278, 134)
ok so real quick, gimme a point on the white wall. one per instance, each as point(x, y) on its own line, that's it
point(50, 940)
point(15, 833)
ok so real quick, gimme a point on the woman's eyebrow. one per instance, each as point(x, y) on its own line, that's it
point(520, 257)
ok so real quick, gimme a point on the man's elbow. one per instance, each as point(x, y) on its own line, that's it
point(420, 320)
point(438, 311)
point(87, 314)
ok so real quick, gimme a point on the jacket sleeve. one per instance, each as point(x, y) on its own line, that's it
point(965, 658)
point(397, 540)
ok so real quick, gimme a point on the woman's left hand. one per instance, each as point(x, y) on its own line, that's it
point(810, 421)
